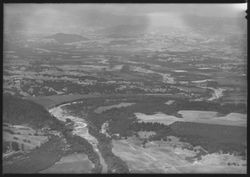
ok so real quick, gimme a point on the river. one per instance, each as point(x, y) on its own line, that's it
point(218, 93)
point(80, 129)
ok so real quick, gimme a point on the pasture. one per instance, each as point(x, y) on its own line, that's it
point(72, 163)
point(171, 157)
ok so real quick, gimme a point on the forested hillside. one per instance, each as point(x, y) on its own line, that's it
point(20, 111)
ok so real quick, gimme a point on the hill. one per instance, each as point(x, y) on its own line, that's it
point(19, 111)
point(67, 38)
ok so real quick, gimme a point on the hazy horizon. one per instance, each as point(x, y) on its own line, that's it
point(75, 18)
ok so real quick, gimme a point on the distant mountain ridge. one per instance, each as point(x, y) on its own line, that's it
point(120, 31)
point(67, 38)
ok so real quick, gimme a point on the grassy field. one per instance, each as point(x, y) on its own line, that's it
point(165, 157)
point(72, 163)
point(50, 101)
point(37, 160)
point(26, 137)
point(158, 118)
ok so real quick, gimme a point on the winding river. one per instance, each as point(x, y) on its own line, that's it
point(80, 129)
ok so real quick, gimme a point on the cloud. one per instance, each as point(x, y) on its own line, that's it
point(48, 18)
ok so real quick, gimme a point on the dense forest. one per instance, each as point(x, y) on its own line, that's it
point(115, 164)
point(20, 111)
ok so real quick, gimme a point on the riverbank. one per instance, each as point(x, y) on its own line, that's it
point(80, 129)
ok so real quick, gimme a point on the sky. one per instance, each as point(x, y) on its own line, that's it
point(50, 18)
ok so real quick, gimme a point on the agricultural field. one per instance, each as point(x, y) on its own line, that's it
point(164, 157)
point(73, 163)
point(35, 160)
point(205, 117)
point(21, 138)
